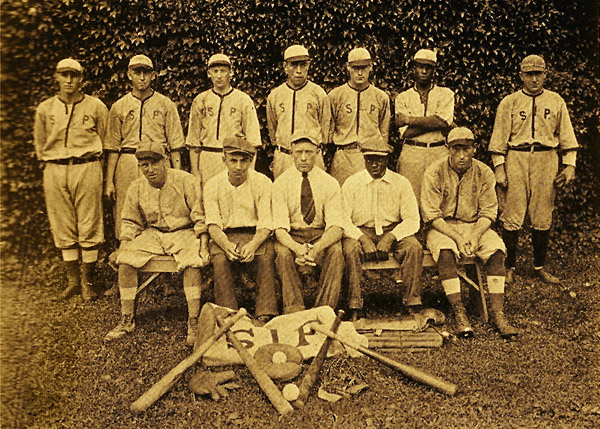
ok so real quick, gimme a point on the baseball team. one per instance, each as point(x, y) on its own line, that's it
point(227, 214)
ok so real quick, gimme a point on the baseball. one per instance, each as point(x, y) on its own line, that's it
point(291, 392)
point(279, 357)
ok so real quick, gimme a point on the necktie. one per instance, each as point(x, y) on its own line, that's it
point(307, 203)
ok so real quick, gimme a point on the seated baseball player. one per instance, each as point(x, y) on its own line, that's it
point(162, 215)
point(238, 214)
point(308, 220)
point(384, 218)
point(458, 203)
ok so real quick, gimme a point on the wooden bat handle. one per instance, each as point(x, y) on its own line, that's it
point(312, 374)
point(261, 377)
point(409, 371)
point(164, 384)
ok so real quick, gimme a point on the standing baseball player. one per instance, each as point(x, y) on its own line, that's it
point(532, 128)
point(423, 114)
point(142, 114)
point(459, 204)
point(216, 114)
point(69, 131)
point(359, 111)
point(239, 219)
point(296, 106)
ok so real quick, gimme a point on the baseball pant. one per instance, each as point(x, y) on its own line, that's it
point(331, 261)
point(262, 265)
point(283, 161)
point(126, 171)
point(183, 245)
point(413, 162)
point(488, 244)
point(409, 254)
point(345, 163)
point(530, 189)
point(73, 196)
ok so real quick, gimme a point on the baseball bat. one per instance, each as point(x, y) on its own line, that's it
point(164, 384)
point(407, 370)
point(264, 382)
point(312, 374)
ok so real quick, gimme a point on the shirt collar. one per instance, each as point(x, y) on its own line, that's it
point(387, 177)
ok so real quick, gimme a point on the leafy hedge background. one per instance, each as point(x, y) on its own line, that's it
point(480, 42)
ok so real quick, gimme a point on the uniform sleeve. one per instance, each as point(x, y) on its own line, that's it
point(263, 205)
point(348, 200)
point(409, 211)
point(211, 204)
point(281, 212)
point(271, 118)
point(324, 116)
point(195, 124)
point(566, 136)
point(251, 124)
point(488, 201)
point(333, 206)
point(114, 134)
point(401, 107)
point(197, 215)
point(445, 107)
point(102, 122)
point(431, 196)
point(173, 128)
point(39, 132)
point(501, 133)
point(384, 117)
point(132, 219)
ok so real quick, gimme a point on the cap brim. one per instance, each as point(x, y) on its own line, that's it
point(219, 63)
point(64, 69)
point(358, 63)
point(238, 151)
point(298, 58)
point(149, 155)
point(462, 142)
point(141, 66)
point(374, 152)
point(529, 69)
point(424, 61)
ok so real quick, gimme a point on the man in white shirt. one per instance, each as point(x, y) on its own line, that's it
point(308, 220)
point(384, 217)
point(237, 203)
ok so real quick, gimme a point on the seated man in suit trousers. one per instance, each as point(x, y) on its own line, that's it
point(308, 219)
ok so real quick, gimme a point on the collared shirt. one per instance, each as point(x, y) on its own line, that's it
point(75, 130)
point(439, 101)
point(155, 118)
point(378, 203)
point(177, 205)
point(444, 194)
point(523, 119)
point(359, 115)
point(247, 205)
point(293, 110)
point(327, 196)
point(214, 117)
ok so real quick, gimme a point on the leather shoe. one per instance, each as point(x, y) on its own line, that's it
point(546, 277)
point(355, 314)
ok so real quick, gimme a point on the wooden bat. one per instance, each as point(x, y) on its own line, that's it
point(164, 384)
point(261, 377)
point(312, 374)
point(407, 370)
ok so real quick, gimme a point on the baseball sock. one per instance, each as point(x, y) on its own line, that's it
point(511, 240)
point(540, 247)
point(127, 288)
point(191, 288)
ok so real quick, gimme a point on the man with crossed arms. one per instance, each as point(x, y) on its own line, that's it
point(238, 214)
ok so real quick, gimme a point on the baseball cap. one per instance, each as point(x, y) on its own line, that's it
point(150, 150)
point(300, 136)
point(425, 56)
point(533, 63)
point(238, 144)
point(69, 64)
point(140, 61)
point(460, 136)
point(359, 57)
point(296, 53)
point(375, 146)
point(219, 60)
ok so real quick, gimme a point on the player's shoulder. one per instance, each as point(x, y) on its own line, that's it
point(377, 91)
point(279, 89)
point(316, 88)
point(259, 178)
point(437, 166)
point(325, 179)
point(47, 104)
point(94, 102)
point(552, 95)
point(406, 93)
point(354, 180)
point(202, 96)
point(443, 90)
point(339, 90)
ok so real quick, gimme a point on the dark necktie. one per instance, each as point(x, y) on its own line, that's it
point(307, 203)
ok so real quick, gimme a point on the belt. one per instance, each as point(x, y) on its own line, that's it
point(284, 150)
point(165, 230)
point(208, 149)
point(74, 161)
point(241, 229)
point(128, 150)
point(412, 142)
point(349, 146)
point(531, 147)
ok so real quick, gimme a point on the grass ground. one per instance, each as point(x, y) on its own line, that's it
point(57, 372)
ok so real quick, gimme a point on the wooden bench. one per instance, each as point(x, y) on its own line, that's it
point(156, 266)
point(469, 270)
